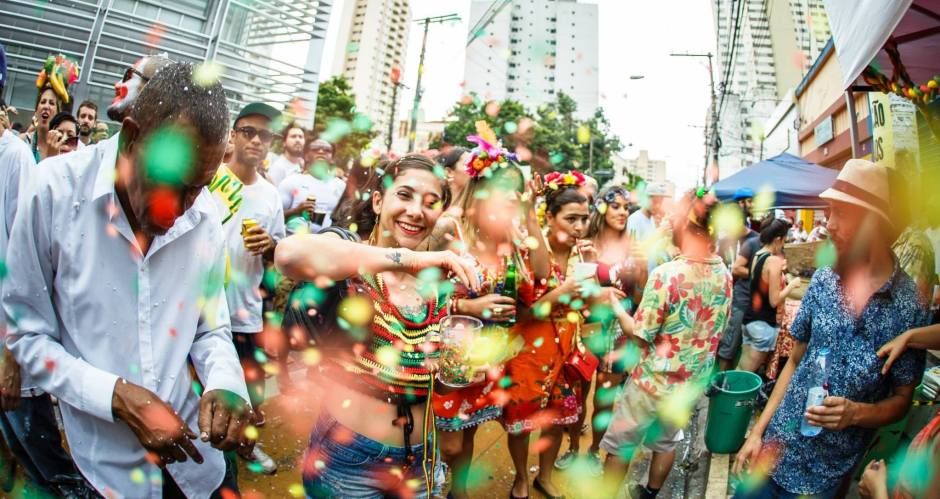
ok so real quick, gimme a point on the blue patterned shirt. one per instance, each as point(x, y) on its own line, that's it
point(810, 465)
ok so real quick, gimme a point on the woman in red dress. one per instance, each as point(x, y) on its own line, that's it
point(542, 395)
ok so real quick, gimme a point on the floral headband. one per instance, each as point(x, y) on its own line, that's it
point(58, 72)
point(489, 152)
point(556, 180)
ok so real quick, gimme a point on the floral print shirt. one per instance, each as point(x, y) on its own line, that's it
point(683, 311)
point(810, 465)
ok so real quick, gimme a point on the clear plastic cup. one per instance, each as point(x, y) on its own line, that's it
point(584, 271)
point(458, 333)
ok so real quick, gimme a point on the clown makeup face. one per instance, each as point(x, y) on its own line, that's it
point(127, 89)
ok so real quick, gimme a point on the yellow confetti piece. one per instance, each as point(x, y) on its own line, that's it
point(251, 432)
point(531, 242)
point(347, 403)
point(584, 134)
point(137, 476)
point(311, 356)
point(207, 73)
point(387, 356)
point(573, 317)
point(763, 200)
point(356, 310)
point(296, 490)
point(728, 221)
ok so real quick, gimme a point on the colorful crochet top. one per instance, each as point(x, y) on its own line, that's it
point(389, 364)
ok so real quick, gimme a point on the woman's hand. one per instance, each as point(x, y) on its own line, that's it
point(874, 482)
point(448, 261)
point(54, 141)
point(893, 349)
point(533, 189)
point(587, 250)
point(492, 306)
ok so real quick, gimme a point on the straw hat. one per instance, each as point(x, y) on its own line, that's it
point(864, 184)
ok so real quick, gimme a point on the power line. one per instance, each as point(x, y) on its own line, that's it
point(729, 68)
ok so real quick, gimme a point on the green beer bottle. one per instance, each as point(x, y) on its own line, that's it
point(509, 286)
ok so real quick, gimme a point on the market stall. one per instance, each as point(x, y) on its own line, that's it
point(795, 182)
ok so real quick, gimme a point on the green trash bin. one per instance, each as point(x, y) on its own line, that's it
point(731, 405)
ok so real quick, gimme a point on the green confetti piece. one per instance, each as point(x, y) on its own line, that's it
point(168, 156)
point(197, 388)
point(826, 255)
point(538, 342)
point(361, 123)
point(510, 127)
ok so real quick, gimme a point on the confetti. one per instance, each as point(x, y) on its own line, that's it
point(207, 73)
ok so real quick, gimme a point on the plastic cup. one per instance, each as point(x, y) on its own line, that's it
point(458, 333)
point(584, 270)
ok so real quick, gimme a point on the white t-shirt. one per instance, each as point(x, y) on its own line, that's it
point(280, 167)
point(295, 189)
point(639, 226)
point(260, 202)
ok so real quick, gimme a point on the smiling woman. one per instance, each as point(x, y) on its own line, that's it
point(378, 358)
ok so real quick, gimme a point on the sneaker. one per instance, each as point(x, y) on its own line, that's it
point(259, 462)
point(566, 460)
point(594, 464)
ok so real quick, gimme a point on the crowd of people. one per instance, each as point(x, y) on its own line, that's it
point(154, 279)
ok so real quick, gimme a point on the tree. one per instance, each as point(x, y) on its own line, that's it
point(502, 117)
point(555, 137)
point(337, 121)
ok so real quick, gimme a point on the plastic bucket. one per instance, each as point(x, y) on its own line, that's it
point(731, 405)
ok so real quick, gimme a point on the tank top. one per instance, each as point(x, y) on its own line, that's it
point(760, 309)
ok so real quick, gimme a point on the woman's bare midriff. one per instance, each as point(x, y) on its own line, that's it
point(368, 416)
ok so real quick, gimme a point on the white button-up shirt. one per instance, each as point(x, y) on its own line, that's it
point(88, 309)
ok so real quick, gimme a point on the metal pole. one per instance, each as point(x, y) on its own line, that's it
point(418, 89)
point(716, 141)
point(591, 156)
point(391, 117)
point(853, 121)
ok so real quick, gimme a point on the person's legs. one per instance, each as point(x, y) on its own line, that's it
point(660, 466)
point(758, 341)
point(605, 392)
point(518, 445)
point(254, 374)
point(551, 443)
point(457, 451)
point(751, 359)
point(574, 430)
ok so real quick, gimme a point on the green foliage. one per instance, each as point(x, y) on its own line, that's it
point(336, 120)
point(556, 136)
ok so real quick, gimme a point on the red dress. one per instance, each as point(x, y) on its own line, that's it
point(540, 391)
point(476, 404)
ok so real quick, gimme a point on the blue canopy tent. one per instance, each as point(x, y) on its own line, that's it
point(796, 183)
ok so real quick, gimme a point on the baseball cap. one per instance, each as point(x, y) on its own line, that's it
point(259, 108)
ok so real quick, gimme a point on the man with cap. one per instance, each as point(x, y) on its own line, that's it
point(864, 301)
point(251, 235)
point(642, 225)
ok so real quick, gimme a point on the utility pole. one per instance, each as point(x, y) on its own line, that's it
point(714, 142)
point(418, 90)
point(395, 77)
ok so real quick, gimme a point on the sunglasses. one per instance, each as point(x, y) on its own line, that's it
point(320, 149)
point(130, 72)
point(250, 132)
point(72, 141)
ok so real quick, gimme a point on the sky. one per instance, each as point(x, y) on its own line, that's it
point(664, 112)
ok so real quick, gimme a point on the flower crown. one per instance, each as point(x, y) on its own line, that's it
point(556, 180)
point(59, 73)
point(489, 152)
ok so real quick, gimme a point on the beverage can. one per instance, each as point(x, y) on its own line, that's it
point(248, 223)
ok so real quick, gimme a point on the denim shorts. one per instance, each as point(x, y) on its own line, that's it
point(342, 463)
point(760, 336)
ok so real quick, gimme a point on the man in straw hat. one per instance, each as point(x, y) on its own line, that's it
point(852, 308)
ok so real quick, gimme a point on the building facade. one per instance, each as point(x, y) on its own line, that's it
point(533, 50)
point(765, 47)
point(373, 39)
point(105, 37)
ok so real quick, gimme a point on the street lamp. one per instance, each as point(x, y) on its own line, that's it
point(637, 77)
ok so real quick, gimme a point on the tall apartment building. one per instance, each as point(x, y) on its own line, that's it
point(105, 37)
point(373, 38)
point(534, 49)
point(764, 49)
point(650, 170)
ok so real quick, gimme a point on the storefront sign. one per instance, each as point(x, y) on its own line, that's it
point(823, 131)
point(894, 131)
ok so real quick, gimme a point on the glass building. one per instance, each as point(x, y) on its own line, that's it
point(270, 49)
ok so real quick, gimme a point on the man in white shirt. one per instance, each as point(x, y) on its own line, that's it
point(118, 257)
point(318, 182)
point(27, 420)
point(249, 248)
point(292, 160)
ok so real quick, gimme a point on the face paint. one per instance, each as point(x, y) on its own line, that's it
point(126, 92)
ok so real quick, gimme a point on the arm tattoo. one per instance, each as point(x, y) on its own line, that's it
point(394, 256)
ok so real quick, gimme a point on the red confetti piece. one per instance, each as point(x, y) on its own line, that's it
point(50, 364)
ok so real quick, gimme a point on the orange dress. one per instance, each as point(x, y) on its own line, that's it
point(476, 404)
point(541, 392)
